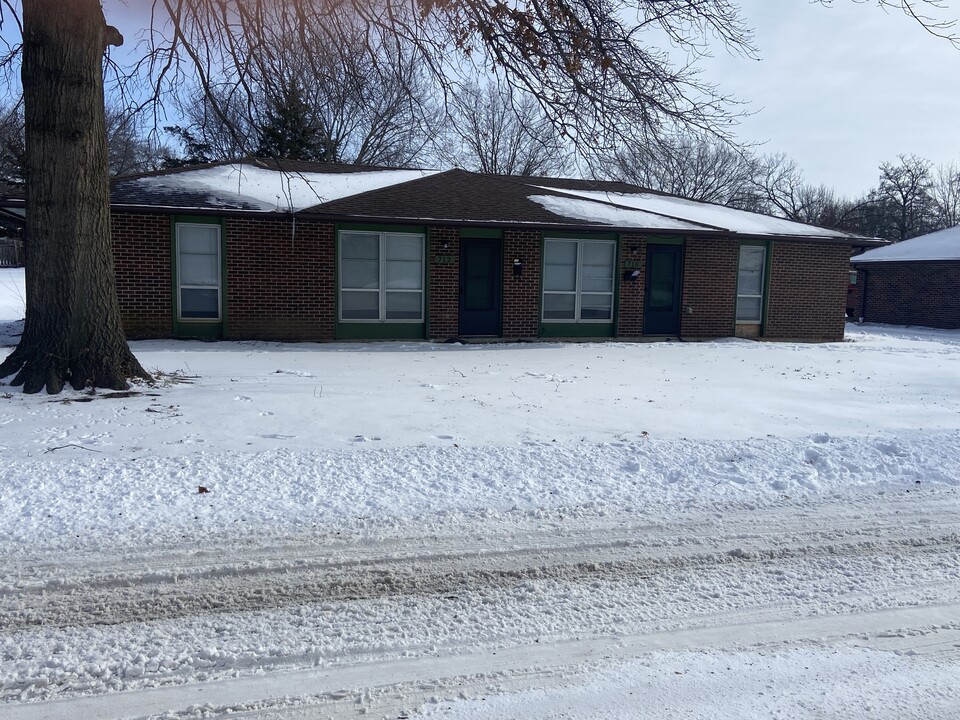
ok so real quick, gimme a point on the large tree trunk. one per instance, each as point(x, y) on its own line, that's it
point(72, 331)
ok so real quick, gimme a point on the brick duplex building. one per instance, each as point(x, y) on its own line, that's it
point(307, 252)
point(913, 282)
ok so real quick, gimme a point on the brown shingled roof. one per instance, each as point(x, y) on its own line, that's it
point(454, 195)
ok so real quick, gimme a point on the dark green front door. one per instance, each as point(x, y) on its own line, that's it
point(661, 306)
point(480, 282)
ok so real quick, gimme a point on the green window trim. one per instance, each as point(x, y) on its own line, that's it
point(558, 330)
point(382, 291)
point(380, 331)
point(578, 293)
point(666, 240)
point(758, 317)
point(482, 233)
point(198, 327)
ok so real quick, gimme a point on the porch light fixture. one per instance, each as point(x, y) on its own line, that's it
point(633, 275)
point(517, 266)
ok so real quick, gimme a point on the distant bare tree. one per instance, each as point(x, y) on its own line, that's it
point(218, 126)
point(372, 110)
point(130, 148)
point(336, 106)
point(945, 190)
point(12, 149)
point(905, 194)
point(784, 191)
point(488, 131)
point(698, 167)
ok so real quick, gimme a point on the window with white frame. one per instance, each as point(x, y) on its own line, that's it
point(381, 277)
point(198, 271)
point(578, 280)
point(750, 280)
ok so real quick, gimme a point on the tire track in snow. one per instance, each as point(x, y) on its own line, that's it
point(222, 594)
point(124, 592)
point(399, 685)
point(447, 568)
point(567, 580)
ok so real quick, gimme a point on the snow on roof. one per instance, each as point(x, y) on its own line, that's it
point(609, 215)
point(250, 186)
point(714, 217)
point(941, 245)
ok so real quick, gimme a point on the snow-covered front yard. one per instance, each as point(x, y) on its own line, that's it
point(723, 529)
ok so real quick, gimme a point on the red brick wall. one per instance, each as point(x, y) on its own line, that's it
point(633, 249)
point(280, 280)
point(281, 284)
point(709, 287)
point(444, 295)
point(912, 293)
point(808, 291)
point(141, 257)
point(521, 294)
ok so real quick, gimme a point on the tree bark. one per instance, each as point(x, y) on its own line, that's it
point(72, 332)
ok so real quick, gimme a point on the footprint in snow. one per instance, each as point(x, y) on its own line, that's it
point(890, 449)
point(277, 436)
point(243, 398)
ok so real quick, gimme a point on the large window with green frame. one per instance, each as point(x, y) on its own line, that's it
point(381, 277)
point(578, 280)
point(199, 282)
point(751, 276)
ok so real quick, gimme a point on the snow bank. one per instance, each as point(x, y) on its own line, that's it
point(78, 499)
point(13, 294)
point(312, 437)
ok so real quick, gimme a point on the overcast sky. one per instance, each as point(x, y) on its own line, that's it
point(839, 89)
point(842, 89)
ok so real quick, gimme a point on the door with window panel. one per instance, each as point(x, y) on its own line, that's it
point(198, 272)
point(750, 282)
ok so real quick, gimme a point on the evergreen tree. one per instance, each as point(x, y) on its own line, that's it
point(289, 131)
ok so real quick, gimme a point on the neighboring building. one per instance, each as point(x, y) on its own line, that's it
point(315, 252)
point(913, 282)
point(11, 231)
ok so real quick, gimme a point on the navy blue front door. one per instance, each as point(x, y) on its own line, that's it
point(661, 300)
point(480, 281)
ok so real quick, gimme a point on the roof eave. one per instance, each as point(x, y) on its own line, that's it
point(311, 214)
point(585, 226)
point(855, 261)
